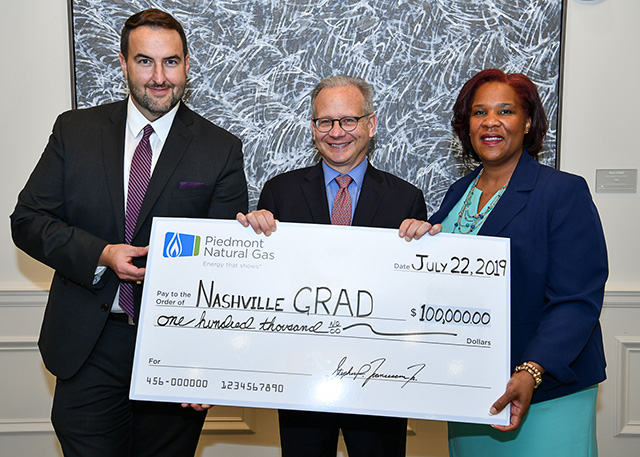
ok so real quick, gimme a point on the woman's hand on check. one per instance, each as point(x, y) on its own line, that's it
point(413, 229)
point(518, 394)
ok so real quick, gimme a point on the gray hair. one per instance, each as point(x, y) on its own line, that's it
point(364, 87)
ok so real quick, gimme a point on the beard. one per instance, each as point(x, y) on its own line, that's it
point(156, 107)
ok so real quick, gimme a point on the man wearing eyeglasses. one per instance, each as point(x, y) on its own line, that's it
point(345, 189)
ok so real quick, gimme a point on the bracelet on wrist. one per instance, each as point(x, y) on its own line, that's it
point(532, 370)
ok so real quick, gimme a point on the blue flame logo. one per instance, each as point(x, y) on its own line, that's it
point(180, 245)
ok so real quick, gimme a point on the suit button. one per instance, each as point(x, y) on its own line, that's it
point(104, 308)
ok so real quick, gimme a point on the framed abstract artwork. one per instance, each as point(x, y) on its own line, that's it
point(255, 62)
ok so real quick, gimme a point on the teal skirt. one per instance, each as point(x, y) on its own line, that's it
point(562, 427)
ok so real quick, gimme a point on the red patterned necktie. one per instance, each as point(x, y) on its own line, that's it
point(138, 181)
point(341, 212)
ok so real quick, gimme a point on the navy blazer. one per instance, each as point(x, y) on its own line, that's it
point(558, 272)
point(300, 196)
point(73, 206)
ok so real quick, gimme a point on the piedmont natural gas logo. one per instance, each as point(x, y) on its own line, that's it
point(178, 244)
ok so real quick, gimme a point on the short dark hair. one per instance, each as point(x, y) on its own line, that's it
point(154, 18)
point(529, 99)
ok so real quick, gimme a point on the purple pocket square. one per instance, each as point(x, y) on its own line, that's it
point(189, 185)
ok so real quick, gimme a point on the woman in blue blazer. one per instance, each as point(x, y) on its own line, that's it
point(558, 271)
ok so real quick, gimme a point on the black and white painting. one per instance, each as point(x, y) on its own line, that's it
point(255, 62)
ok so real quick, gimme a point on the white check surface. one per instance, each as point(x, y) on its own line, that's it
point(324, 318)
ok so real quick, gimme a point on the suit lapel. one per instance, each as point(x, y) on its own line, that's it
point(177, 142)
point(113, 157)
point(515, 198)
point(371, 195)
point(315, 195)
point(453, 195)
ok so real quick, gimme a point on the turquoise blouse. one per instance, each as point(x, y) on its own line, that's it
point(449, 222)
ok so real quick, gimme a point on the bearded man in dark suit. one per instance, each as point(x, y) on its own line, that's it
point(74, 215)
point(342, 124)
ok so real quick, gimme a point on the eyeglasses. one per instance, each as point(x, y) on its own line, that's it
point(348, 124)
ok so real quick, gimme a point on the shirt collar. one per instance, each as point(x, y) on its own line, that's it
point(161, 126)
point(357, 174)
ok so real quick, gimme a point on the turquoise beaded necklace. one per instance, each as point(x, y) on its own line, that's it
point(466, 220)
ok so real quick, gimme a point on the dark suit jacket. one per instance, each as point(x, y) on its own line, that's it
point(384, 202)
point(73, 206)
point(558, 272)
point(300, 196)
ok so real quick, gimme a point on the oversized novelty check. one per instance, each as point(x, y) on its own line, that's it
point(324, 318)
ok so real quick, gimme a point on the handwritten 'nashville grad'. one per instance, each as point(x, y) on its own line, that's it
point(307, 300)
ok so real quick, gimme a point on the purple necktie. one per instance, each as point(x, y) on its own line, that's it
point(138, 181)
point(341, 212)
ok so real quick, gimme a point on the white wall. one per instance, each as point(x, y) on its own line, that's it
point(600, 102)
point(600, 124)
point(36, 85)
point(599, 131)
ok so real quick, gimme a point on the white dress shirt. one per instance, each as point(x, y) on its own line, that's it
point(134, 131)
